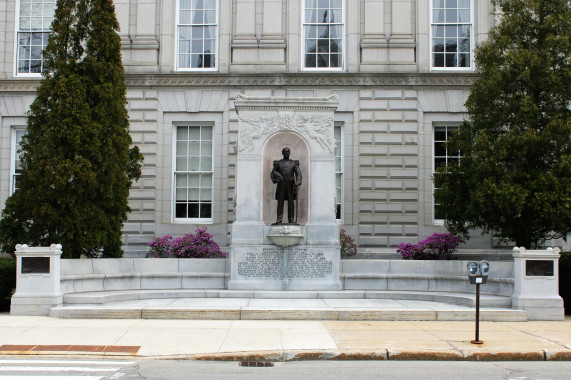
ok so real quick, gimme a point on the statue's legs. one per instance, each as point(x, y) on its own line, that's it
point(286, 193)
point(280, 211)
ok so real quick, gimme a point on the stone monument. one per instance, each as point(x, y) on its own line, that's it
point(266, 253)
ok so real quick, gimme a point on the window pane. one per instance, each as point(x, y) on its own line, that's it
point(193, 194)
point(451, 45)
point(206, 210)
point(451, 16)
point(182, 147)
point(464, 16)
point(335, 60)
point(310, 31)
point(464, 45)
point(464, 60)
point(206, 148)
point(193, 210)
point(205, 195)
point(337, 16)
point(35, 66)
point(206, 133)
point(185, 17)
point(464, 31)
point(206, 164)
point(440, 134)
point(181, 194)
point(438, 60)
point(439, 149)
point(438, 15)
point(310, 46)
point(180, 210)
point(438, 45)
point(181, 164)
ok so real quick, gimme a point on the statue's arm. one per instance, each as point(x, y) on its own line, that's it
point(275, 176)
point(297, 173)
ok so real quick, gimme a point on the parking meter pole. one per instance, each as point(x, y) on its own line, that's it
point(477, 340)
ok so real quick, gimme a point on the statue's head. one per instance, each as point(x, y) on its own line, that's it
point(285, 152)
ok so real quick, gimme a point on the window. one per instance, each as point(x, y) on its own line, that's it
point(442, 156)
point(197, 32)
point(338, 134)
point(34, 20)
point(16, 166)
point(451, 34)
point(323, 31)
point(193, 173)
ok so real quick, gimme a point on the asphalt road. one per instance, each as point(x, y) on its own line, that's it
point(17, 368)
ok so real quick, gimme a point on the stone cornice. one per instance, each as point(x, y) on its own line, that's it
point(19, 85)
point(301, 80)
point(270, 80)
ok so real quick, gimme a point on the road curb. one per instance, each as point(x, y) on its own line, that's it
point(388, 354)
point(313, 355)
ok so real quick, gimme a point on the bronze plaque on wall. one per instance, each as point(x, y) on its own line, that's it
point(539, 268)
point(35, 265)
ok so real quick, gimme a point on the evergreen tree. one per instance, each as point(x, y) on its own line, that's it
point(77, 163)
point(514, 177)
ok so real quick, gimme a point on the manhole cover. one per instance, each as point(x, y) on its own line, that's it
point(256, 364)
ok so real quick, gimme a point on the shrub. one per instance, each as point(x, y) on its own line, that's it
point(7, 281)
point(348, 245)
point(565, 280)
point(435, 247)
point(197, 245)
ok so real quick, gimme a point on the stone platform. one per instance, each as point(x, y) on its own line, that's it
point(276, 305)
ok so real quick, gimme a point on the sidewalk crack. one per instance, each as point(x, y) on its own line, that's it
point(127, 331)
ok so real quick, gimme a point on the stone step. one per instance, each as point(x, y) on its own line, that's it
point(465, 299)
point(235, 308)
point(276, 313)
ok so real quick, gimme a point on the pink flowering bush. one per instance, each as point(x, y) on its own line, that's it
point(435, 247)
point(348, 245)
point(197, 245)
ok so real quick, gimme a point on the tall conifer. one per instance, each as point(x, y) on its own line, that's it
point(77, 163)
point(514, 177)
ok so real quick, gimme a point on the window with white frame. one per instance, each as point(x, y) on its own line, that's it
point(338, 134)
point(197, 34)
point(451, 34)
point(16, 166)
point(193, 173)
point(443, 157)
point(323, 30)
point(33, 30)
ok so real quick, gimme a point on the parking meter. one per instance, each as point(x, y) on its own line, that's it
point(478, 272)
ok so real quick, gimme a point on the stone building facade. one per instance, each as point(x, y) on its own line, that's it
point(401, 70)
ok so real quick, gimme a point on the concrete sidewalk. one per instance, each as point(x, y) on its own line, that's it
point(257, 340)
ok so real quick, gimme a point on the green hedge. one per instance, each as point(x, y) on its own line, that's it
point(7, 281)
point(565, 280)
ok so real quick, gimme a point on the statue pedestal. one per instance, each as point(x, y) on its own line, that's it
point(285, 256)
point(268, 266)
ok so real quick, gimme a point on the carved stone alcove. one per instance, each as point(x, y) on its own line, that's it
point(272, 151)
point(265, 127)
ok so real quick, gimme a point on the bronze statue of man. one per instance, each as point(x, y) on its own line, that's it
point(287, 175)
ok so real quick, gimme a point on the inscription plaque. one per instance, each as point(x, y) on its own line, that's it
point(35, 265)
point(300, 263)
point(539, 268)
